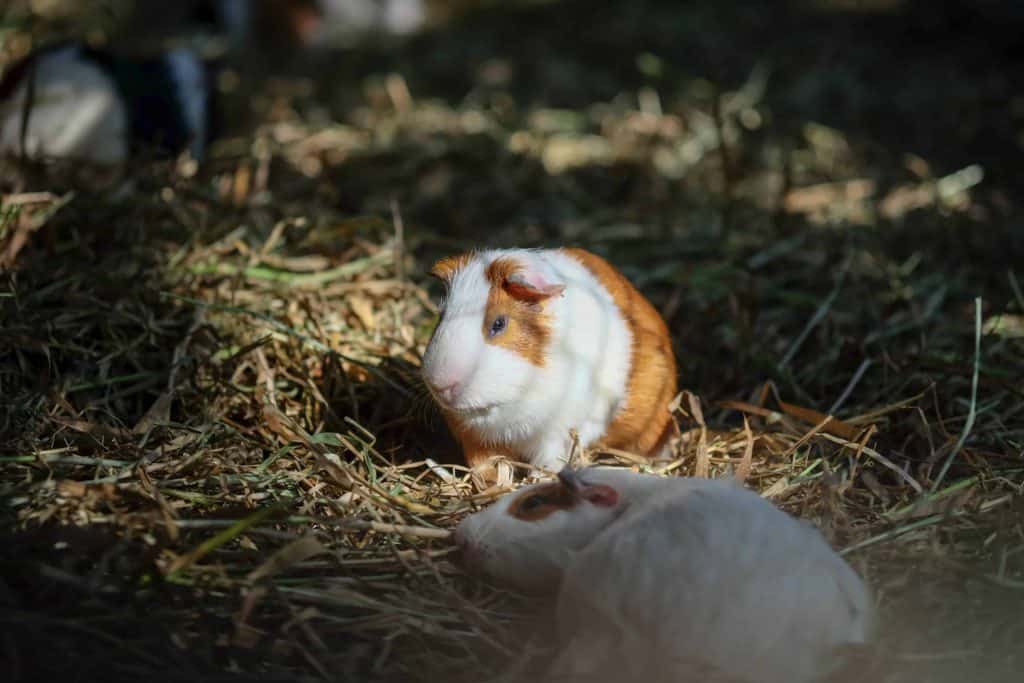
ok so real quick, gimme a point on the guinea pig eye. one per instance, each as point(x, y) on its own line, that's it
point(534, 502)
point(499, 325)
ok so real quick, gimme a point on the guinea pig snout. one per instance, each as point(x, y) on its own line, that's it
point(468, 553)
point(447, 392)
point(459, 537)
point(447, 373)
point(445, 384)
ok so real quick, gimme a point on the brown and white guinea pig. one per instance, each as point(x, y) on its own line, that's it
point(671, 573)
point(533, 343)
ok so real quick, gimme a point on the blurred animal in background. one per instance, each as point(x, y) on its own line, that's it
point(279, 25)
point(660, 579)
point(70, 101)
point(536, 343)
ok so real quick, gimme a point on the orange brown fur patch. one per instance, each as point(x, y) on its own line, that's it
point(445, 268)
point(501, 269)
point(528, 330)
point(643, 425)
point(535, 505)
point(475, 451)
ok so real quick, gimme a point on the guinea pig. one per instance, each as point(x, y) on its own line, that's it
point(654, 577)
point(534, 343)
point(74, 102)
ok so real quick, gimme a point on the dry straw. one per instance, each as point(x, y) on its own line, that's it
point(215, 454)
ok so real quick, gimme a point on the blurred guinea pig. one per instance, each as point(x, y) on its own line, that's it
point(533, 343)
point(655, 578)
point(70, 101)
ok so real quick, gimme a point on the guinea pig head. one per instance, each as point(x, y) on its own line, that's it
point(494, 333)
point(527, 538)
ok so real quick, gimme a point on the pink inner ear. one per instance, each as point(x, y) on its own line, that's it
point(531, 286)
point(601, 495)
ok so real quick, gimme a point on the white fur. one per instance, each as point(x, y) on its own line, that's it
point(509, 401)
point(348, 18)
point(190, 78)
point(533, 556)
point(76, 113)
point(681, 574)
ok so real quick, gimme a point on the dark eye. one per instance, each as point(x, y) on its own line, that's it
point(498, 326)
point(534, 502)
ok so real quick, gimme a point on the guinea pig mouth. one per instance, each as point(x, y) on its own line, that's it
point(472, 557)
point(458, 405)
point(470, 412)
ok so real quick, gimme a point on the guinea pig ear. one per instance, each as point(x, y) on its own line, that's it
point(530, 286)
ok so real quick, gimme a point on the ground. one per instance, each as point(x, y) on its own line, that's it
point(217, 461)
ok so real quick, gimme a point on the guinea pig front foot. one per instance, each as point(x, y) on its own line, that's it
point(493, 472)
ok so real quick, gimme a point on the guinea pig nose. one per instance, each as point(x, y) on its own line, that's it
point(465, 555)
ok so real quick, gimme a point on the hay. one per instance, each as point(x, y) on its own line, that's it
point(216, 457)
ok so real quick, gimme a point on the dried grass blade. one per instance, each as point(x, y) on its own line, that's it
point(972, 410)
point(185, 561)
point(743, 471)
point(827, 422)
point(878, 457)
point(702, 468)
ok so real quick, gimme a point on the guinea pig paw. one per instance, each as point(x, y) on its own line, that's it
point(505, 473)
point(494, 472)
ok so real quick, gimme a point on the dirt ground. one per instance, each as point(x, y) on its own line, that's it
point(822, 197)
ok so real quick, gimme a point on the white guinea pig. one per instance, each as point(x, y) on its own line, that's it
point(659, 577)
point(533, 343)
